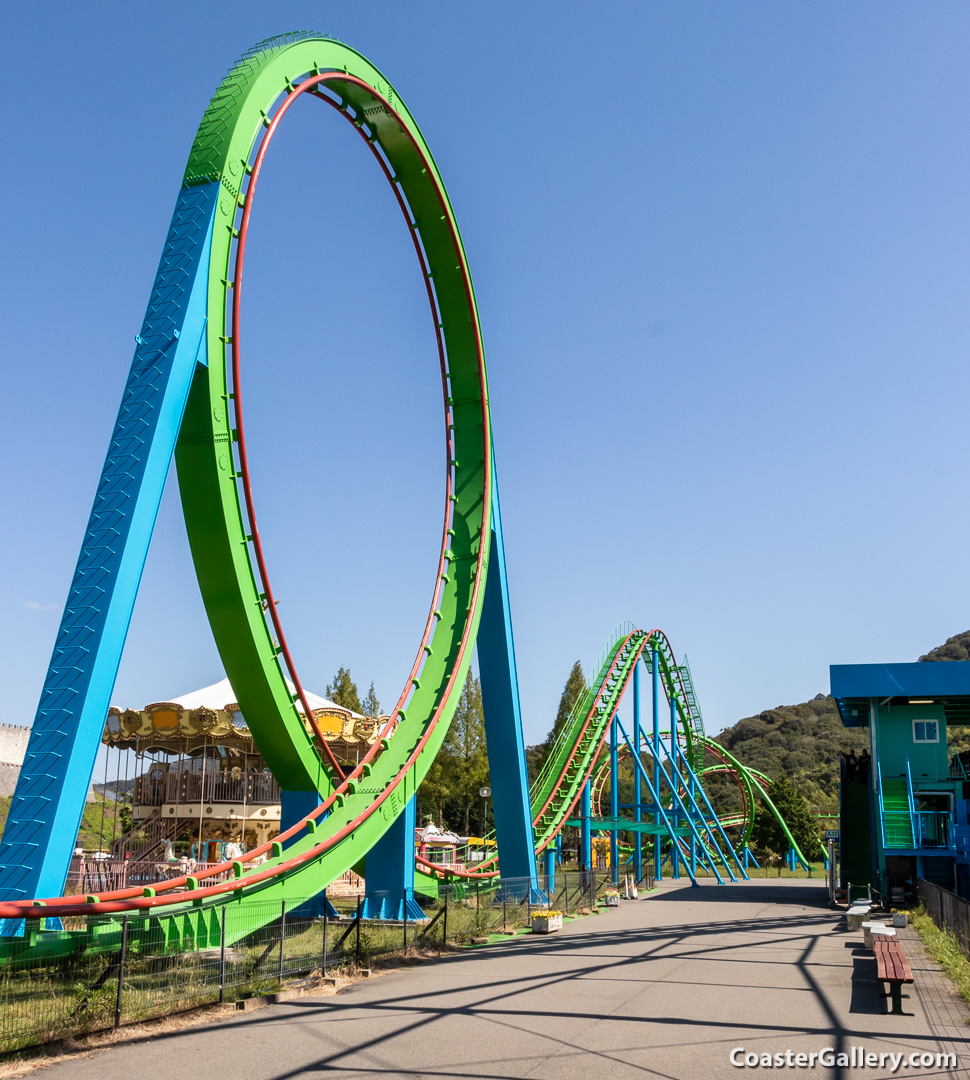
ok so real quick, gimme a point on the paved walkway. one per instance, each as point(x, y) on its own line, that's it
point(664, 987)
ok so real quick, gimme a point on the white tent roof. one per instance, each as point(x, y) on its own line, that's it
point(220, 694)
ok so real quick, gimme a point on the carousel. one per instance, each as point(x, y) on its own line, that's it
point(201, 791)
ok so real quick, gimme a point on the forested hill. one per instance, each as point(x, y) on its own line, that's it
point(803, 741)
point(954, 648)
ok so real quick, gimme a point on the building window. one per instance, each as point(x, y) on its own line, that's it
point(926, 731)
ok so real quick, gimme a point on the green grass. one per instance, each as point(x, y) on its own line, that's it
point(944, 948)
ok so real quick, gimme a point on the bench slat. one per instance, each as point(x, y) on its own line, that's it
point(891, 963)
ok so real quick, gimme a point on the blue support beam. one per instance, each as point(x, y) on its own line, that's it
point(66, 733)
point(655, 666)
point(296, 806)
point(503, 717)
point(655, 794)
point(675, 850)
point(693, 787)
point(614, 802)
point(389, 872)
point(585, 834)
point(637, 789)
point(551, 870)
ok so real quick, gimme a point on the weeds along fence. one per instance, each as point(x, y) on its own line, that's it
point(947, 910)
point(102, 972)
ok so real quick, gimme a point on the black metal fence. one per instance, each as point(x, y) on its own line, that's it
point(101, 972)
point(947, 910)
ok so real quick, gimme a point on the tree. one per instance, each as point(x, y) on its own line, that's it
point(450, 791)
point(370, 705)
point(571, 693)
point(343, 691)
point(535, 756)
point(954, 648)
point(769, 837)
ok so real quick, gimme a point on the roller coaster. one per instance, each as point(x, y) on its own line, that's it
point(184, 398)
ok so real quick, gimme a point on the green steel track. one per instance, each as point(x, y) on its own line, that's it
point(356, 809)
point(303, 70)
point(577, 753)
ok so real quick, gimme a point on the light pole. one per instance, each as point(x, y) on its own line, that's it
point(484, 792)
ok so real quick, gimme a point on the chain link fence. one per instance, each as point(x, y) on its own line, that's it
point(102, 972)
point(947, 910)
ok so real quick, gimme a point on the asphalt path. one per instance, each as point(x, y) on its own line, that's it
point(666, 986)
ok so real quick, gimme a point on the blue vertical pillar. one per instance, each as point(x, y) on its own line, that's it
point(297, 806)
point(675, 850)
point(637, 787)
point(585, 834)
point(65, 737)
point(389, 871)
point(693, 842)
point(657, 852)
point(551, 871)
point(558, 849)
point(503, 717)
point(614, 804)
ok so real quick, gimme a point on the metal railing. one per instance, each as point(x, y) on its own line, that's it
point(101, 972)
point(213, 787)
point(919, 829)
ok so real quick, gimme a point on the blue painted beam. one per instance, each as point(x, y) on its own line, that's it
point(614, 802)
point(389, 872)
point(49, 798)
point(637, 789)
point(585, 834)
point(655, 665)
point(503, 715)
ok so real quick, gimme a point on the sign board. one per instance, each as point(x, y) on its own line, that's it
point(831, 834)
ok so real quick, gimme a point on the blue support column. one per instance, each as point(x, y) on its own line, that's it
point(585, 834)
point(558, 849)
point(657, 851)
point(692, 787)
point(674, 749)
point(389, 871)
point(503, 717)
point(661, 813)
point(296, 806)
point(66, 734)
point(614, 804)
point(551, 871)
point(637, 787)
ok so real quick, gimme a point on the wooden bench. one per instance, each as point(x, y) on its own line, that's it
point(892, 968)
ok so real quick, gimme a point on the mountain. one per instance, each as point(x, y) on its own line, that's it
point(954, 648)
point(804, 741)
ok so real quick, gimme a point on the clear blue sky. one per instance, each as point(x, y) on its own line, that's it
point(721, 255)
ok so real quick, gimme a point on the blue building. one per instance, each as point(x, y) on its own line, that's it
point(904, 812)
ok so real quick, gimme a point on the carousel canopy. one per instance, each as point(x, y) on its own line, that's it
point(213, 713)
point(221, 696)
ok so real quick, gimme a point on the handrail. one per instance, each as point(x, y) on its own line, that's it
point(910, 801)
point(882, 805)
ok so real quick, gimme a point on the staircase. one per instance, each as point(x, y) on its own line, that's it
point(897, 822)
point(145, 840)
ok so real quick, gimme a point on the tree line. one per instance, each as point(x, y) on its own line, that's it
point(450, 795)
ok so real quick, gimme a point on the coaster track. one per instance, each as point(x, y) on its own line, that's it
point(184, 396)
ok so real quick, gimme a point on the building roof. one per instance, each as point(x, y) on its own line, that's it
point(855, 685)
